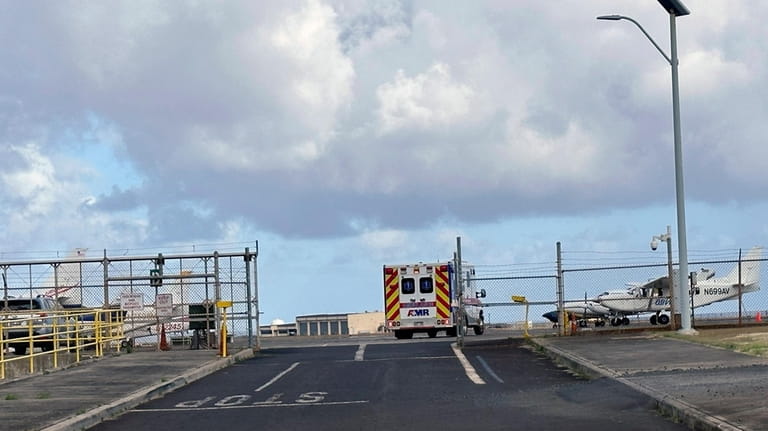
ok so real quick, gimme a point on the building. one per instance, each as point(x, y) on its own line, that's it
point(278, 328)
point(340, 324)
point(313, 325)
point(322, 324)
point(366, 323)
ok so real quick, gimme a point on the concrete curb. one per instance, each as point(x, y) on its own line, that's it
point(678, 410)
point(122, 405)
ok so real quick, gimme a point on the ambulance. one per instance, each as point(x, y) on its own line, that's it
point(424, 298)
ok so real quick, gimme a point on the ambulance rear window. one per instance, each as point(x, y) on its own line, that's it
point(408, 285)
point(425, 285)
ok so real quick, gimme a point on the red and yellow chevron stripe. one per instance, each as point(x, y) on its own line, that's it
point(442, 292)
point(392, 295)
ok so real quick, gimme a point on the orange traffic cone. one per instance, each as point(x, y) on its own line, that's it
point(163, 341)
point(758, 317)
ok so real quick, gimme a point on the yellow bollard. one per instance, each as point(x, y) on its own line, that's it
point(223, 334)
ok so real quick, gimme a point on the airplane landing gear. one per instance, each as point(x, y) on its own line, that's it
point(659, 319)
point(618, 321)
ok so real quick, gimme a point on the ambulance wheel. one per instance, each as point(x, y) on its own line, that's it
point(480, 327)
point(432, 333)
point(451, 332)
point(663, 319)
point(403, 335)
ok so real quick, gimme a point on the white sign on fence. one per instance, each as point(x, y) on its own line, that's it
point(132, 301)
point(164, 304)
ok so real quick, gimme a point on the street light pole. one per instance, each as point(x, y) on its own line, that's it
point(675, 8)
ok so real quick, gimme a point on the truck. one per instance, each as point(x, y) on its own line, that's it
point(425, 298)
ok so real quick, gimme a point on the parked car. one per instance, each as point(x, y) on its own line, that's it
point(17, 313)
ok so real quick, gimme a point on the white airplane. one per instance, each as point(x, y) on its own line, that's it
point(653, 296)
point(584, 311)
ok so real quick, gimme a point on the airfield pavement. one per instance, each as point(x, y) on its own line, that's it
point(704, 387)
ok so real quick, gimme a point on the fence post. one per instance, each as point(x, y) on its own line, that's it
point(560, 291)
point(740, 304)
point(459, 296)
point(247, 259)
point(256, 295)
point(216, 286)
point(105, 263)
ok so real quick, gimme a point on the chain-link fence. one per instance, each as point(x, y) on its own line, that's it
point(175, 293)
point(501, 311)
point(716, 297)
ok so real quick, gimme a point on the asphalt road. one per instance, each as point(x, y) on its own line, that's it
point(415, 384)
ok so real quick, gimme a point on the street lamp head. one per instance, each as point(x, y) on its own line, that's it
point(654, 244)
point(611, 17)
point(675, 7)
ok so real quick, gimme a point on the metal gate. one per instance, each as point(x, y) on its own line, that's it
point(177, 292)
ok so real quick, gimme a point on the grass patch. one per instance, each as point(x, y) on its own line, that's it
point(43, 396)
point(752, 341)
point(10, 397)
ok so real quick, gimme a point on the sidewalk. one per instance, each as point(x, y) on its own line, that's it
point(79, 397)
point(705, 387)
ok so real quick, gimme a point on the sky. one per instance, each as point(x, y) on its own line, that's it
point(345, 135)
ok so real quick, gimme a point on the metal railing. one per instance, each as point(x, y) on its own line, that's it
point(61, 337)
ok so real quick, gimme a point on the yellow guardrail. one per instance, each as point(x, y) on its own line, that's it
point(61, 334)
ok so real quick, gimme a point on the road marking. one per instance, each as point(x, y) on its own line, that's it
point(360, 352)
point(489, 370)
point(419, 358)
point(252, 406)
point(277, 377)
point(468, 368)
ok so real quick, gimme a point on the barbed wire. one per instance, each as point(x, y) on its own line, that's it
point(129, 251)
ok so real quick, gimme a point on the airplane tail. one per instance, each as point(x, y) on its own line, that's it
point(750, 268)
point(65, 284)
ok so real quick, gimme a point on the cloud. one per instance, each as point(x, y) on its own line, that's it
point(30, 181)
point(116, 200)
point(318, 119)
point(428, 100)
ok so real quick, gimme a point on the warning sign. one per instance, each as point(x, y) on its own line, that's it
point(132, 301)
point(164, 305)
